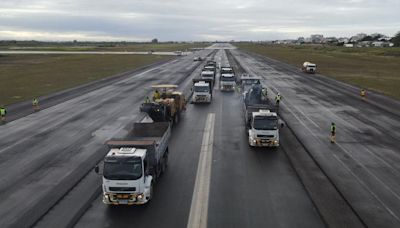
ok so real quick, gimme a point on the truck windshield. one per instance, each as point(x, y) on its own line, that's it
point(201, 89)
point(265, 123)
point(227, 79)
point(123, 168)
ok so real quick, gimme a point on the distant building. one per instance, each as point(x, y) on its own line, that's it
point(381, 44)
point(364, 44)
point(348, 45)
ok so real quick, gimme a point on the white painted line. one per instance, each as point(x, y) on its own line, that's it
point(199, 207)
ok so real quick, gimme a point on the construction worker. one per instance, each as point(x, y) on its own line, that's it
point(156, 95)
point(35, 104)
point(3, 113)
point(363, 93)
point(147, 100)
point(278, 99)
point(333, 132)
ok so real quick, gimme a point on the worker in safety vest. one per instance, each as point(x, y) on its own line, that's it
point(35, 104)
point(278, 99)
point(156, 95)
point(333, 132)
point(147, 100)
point(3, 113)
point(363, 93)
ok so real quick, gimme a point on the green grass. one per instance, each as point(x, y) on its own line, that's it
point(109, 47)
point(372, 68)
point(23, 77)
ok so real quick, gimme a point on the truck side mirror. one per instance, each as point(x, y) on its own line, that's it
point(96, 169)
point(282, 125)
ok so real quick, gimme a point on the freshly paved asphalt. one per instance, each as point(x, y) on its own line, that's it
point(364, 164)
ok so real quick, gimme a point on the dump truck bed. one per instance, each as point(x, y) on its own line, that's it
point(151, 136)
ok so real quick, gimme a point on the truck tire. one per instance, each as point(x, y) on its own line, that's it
point(151, 191)
point(166, 156)
point(164, 163)
point(163, 166)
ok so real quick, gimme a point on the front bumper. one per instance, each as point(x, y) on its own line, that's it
point(257, 142)
point(124, 198)
point(227, 88)
point(201, 99)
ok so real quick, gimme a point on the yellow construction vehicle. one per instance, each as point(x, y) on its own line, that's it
point(167, 104)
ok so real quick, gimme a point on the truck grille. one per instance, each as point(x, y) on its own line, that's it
point(122, 189)
point(265, 136)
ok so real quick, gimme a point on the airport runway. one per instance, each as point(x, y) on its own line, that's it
point(47, 157)
point(248, 187)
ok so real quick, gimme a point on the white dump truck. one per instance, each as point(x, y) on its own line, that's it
point(208, 75)
point(227, 79)
point(202, 90)
point(133, 164)
point(263, 127)
point(262, 122)
point(308, 67)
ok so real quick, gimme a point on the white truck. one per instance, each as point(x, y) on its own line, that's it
point(227, 79)
point(202, 90)
point(308, 67)
point(227, 82)
point(208, 75)
point(262, 123)
point(263, 127)
point(133, 164)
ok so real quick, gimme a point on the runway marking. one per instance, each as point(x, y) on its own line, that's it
point(199, 207)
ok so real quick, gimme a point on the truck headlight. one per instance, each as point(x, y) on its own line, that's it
point(276, 142)
point(140, 196)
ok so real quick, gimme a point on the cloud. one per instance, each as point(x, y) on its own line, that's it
point(194, 19)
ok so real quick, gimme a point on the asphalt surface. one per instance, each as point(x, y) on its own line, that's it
point(249, 187)
point(45, 154)
point(364, 163)
point(47, 157)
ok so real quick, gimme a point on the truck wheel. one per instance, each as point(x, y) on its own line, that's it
point(163, 166)
point(151, 191)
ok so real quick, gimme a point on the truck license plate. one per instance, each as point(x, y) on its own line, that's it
point(123, 201)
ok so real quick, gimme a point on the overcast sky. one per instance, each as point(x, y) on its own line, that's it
point(187, 20)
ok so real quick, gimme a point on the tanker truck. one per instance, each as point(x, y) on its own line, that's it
point(308, 67)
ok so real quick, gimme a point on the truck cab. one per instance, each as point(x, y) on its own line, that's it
point(208, 74)
point(126, 177)
point(133, 163)
point(227, 82)
point(263, 129)
point(202, 91)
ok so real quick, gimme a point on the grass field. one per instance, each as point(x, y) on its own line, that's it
point(23, 77)
point(108, 47)
point(372, 68)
